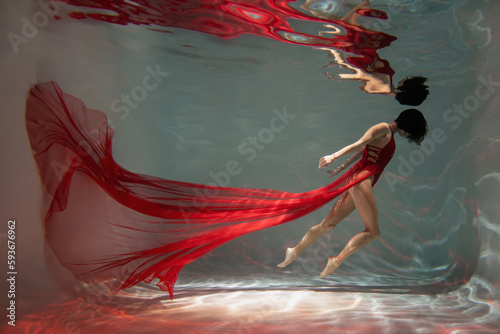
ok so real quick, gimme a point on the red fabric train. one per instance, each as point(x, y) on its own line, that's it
point(105, 223)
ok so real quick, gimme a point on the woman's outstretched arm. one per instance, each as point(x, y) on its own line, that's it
point(375, 132)
point(347, 163)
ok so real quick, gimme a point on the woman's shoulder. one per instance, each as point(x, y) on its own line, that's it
point(382, 128)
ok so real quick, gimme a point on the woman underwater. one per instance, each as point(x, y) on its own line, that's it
point(377, 147)
point(156, 225)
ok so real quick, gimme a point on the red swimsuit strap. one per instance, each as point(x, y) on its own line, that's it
point(375, 154)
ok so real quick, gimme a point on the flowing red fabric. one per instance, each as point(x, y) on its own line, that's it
point(105, 223)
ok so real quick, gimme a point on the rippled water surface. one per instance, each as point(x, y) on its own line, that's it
point(227, 69)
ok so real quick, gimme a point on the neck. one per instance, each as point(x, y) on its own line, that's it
point(394, 126)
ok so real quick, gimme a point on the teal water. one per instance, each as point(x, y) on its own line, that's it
point(435, 267)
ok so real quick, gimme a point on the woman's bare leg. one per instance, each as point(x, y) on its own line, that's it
point(342, 208)
point(362, 195)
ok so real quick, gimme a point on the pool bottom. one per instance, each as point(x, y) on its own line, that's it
point(257, 310)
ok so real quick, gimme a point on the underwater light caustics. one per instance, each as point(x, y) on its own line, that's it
point(106, 223)
point(265, 18)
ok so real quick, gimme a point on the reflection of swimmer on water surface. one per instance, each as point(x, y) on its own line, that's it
point(355, 45)
point(359, 47)
point(331, 10)
point(409, 91)
point(375, 81)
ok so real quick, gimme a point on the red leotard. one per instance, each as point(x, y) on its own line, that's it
point(379, 157)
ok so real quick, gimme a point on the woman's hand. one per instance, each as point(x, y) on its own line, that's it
point(326, 160)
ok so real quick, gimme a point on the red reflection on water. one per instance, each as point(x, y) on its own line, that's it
point(265, 18)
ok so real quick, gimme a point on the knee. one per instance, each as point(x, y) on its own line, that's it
point(374, 234)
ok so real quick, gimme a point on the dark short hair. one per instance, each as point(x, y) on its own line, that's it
point(413, 122)
point(412, 91)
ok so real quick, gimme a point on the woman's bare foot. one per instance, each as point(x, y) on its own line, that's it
point(290, 256)
point(330, 266)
